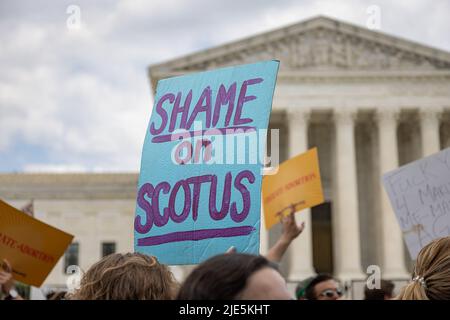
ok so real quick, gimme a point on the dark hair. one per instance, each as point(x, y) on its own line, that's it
point(386, 289)
point(222, 277)
point(310, 293)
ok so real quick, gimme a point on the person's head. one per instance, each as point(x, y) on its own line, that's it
point(130, 276)
point(431, 276)
point(323, 287)
point(234, 276)
point(385, 292)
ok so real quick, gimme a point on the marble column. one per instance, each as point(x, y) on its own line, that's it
point(429, 128)
point(392, 248)
point(301, 250)
point(345, 215)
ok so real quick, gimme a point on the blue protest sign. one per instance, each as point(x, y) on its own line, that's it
point(199, 189)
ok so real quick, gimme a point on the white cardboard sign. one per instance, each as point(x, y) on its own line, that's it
point(420, 196)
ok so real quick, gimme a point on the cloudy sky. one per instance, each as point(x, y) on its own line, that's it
point(78, 98)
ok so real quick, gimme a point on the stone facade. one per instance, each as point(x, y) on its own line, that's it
point(95, 208)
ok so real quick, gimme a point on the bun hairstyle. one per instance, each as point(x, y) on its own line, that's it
point(431, 276)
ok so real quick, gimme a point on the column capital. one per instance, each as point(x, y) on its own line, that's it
point(431, 113)
point(385, 115)
point(345, 115)
point(298, 115)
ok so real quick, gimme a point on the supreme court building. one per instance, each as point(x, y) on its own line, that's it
point(368, 101)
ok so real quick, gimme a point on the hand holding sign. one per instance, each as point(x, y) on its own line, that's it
point(291, 229)
point(6, 278)
point(7, 281)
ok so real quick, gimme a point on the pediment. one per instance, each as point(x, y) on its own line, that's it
point(317, 44)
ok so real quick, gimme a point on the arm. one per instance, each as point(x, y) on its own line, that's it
point(290, 231)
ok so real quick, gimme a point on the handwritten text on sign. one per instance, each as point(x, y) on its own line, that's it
point(420, 196)
point(188, 211)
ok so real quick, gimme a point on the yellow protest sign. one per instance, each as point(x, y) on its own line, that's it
point(296, 185)
point(31, 246)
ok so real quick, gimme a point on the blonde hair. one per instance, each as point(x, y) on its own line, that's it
point(130, 276)
point(431, 276)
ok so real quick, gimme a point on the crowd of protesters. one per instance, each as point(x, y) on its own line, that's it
point(238, 276)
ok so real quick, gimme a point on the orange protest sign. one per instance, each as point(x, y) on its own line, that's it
point(296, 185)
point(31, 246)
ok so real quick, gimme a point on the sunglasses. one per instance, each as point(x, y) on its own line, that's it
point(329, 293)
